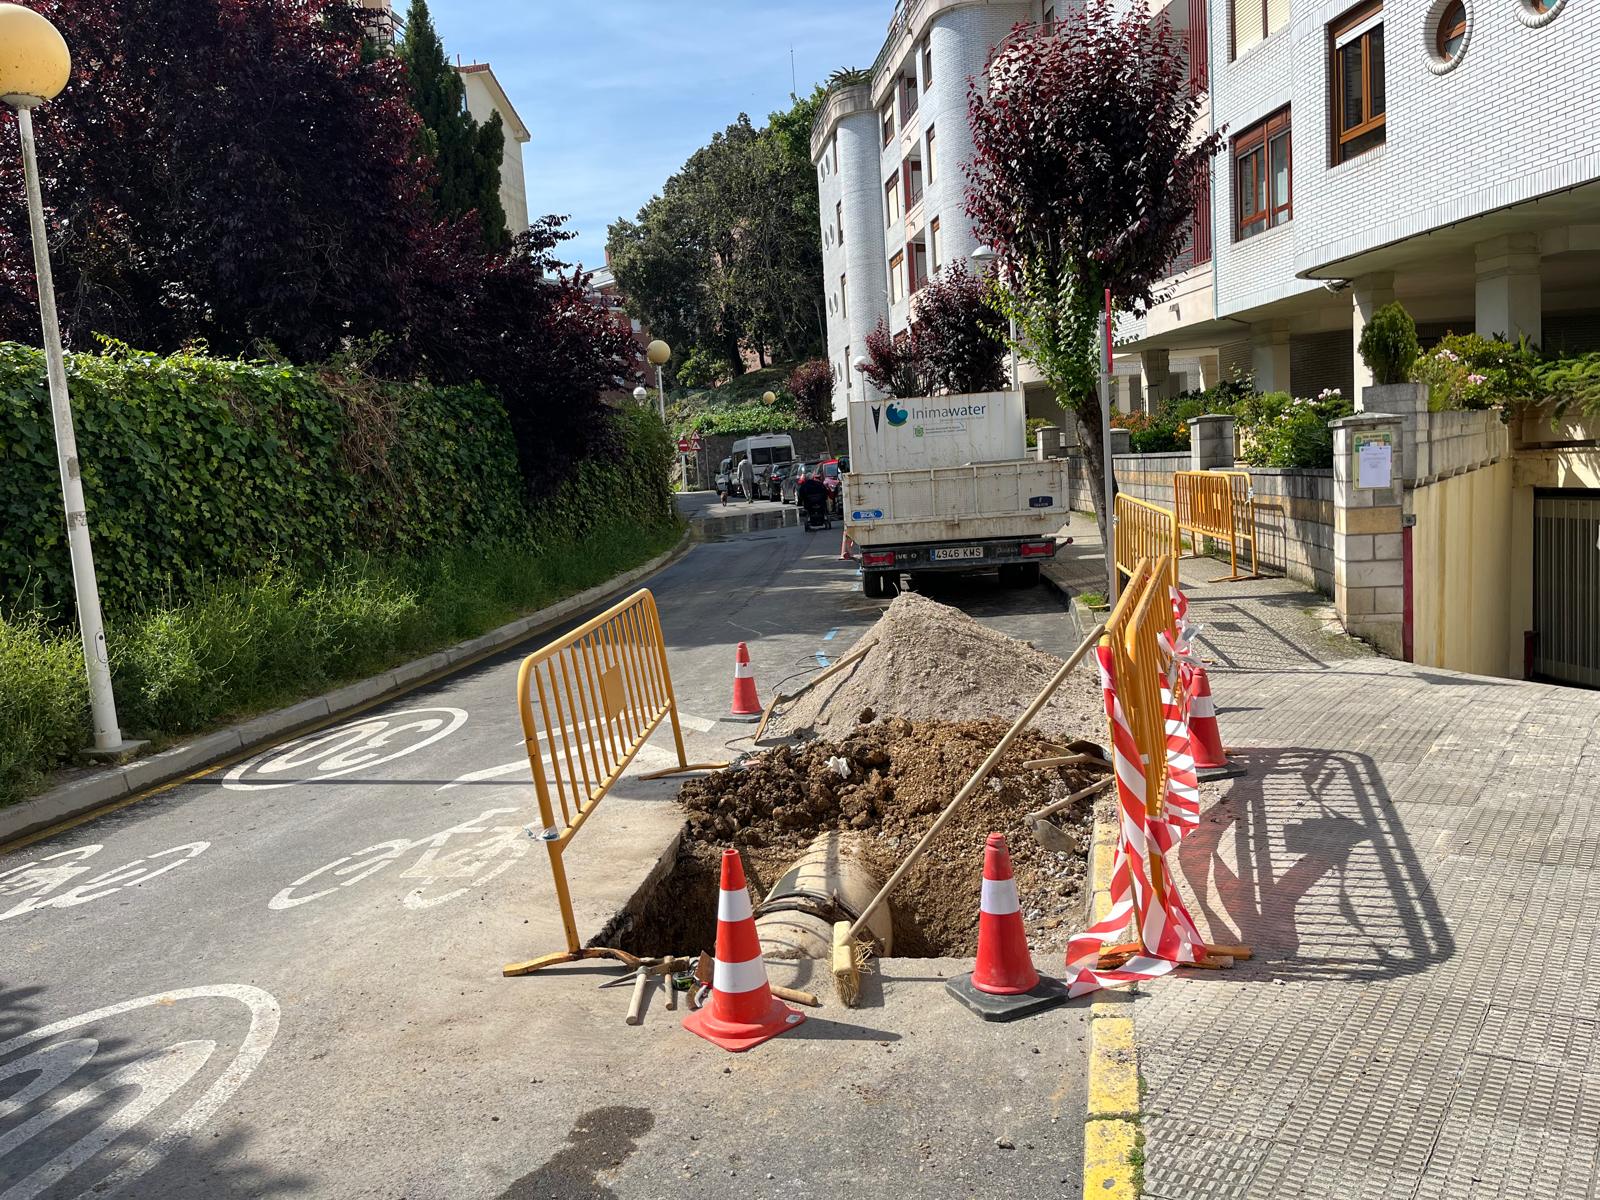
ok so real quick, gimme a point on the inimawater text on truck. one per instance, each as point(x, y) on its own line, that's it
point(942, 483)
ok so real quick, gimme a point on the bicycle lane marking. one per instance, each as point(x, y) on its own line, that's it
point(153, 1079)
point(354, 746)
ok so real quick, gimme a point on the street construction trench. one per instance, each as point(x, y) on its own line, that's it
point(848, 806)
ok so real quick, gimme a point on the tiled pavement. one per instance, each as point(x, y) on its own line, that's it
point(1415, 858)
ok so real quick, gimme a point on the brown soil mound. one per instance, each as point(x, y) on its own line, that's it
point(926, 660)
point(901, 775)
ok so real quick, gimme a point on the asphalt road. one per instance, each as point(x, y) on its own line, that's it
point(282, 979)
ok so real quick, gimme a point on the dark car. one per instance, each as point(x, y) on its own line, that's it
point(797, 475)
point(769, 480)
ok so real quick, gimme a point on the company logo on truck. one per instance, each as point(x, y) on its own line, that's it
point(897, 416)
point(943, 418)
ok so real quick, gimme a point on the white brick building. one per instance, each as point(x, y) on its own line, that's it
point(1442, 152)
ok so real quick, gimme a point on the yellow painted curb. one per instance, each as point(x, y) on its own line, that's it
point(1108, 1160)
point(1111, 1143)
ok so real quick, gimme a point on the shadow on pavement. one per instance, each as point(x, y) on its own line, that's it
point(1305, 861)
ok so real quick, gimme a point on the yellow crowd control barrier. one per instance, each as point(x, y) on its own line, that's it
point(1144, 530)
point(601, 691)
point(1221, 506)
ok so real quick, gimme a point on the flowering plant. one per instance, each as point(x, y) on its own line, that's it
point(1475, 372)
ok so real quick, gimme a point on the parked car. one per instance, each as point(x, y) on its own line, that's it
point(832, 477)
point(792, 481)
point(769, 480)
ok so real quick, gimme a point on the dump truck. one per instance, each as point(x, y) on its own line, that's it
point(943, 484)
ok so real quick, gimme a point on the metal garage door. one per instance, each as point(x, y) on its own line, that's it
point(1566, 586)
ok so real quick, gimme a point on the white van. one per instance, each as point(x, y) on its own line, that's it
point(763, 451)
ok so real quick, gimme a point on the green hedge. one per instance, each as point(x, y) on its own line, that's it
point(198, 469)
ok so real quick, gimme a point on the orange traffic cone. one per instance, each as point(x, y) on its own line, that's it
point(742, 1011)
point(844, 547)
point(1205, 738)
point(1004, 985)
point(745, 701)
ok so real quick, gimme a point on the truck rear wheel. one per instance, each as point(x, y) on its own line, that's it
point(880, 585)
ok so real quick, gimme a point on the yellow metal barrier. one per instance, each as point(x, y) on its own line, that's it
point(1218, 505)
point(1144, 530)
point(601, 691)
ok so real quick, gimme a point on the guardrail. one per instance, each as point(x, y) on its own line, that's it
point(1219, 505)
point(601, 692)
point(1142, 530)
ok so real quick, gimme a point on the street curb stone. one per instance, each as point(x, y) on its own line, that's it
point(92, 791)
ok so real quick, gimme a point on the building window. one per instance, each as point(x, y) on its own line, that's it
point(927, 62)
point(1050, 19)
point(888, 123)
point(897, 278)
point(1535, 13)
point(1263, 176)
point(933, 244)
point(917, 264)
point(1359, 98)
point(835, 151)
point(908, 97)
point(1451, 34)
point(847, 380)
point(913, 177)
point(891, 200)
point(838, 220)
point(1256, 20)
point(844, 296)
point(932, 160)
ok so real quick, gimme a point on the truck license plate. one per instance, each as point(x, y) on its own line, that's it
point(947, 553)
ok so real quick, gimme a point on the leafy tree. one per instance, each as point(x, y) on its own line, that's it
point(725, 259)
point(955, 323)
point(466, 155)
point(1085, 174)
point(898, 364)
point(811, 384)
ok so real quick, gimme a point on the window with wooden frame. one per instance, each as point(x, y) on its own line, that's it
point(927, 62)
point(891, 200)
point(911, 172)
point(908, 96)
point(932, 161)
point(888, 122)
point(1263, 176)
point(1359, 96)
point(838, 220)
point(897, 278)
point(933, 244)
point(1050, 19)
point(1254, 21)
point(1452, 31)
point(844, 296)
point(917, 265)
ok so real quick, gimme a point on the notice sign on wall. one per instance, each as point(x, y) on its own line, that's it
point(1374, 454)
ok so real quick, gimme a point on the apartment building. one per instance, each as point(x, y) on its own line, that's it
point(889, 152)
point(1378, 151)
point(485, 97)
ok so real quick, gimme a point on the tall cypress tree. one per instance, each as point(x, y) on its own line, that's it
point(466, 155)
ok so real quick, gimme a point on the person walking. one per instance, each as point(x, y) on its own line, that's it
point(747, 480)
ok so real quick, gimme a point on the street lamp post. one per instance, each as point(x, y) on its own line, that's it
point(34, 68)
point(987, 257)
point(659, 354)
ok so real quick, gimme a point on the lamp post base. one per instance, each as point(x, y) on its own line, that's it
point(120, 753)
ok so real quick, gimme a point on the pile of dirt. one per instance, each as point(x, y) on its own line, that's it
point(926, 660)
point(898, 777)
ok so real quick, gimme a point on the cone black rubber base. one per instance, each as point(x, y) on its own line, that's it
point(1230, 770)
point(1047, 993)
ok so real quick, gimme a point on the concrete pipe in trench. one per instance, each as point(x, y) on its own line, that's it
point(830, 882)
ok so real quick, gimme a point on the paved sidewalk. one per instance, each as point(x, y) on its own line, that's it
point(1413, 857)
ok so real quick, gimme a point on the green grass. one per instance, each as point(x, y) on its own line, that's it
point(249, 645)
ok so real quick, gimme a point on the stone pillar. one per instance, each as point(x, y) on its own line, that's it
point(1050, 442)
point(1367, 295)
point(1210, 371)
point(1211, 442)
point(1269, 356)
point(1510, 291)
point(1120, 443)
point(1155, 366)
point(1368, 561)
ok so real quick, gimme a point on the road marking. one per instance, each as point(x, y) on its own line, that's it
point(822, 659)
point(647, 755)
point(355, 746)
point(153, 1078)
point(830, 635)
point(43, 880)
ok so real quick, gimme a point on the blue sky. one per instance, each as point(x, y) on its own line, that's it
point(617, 93)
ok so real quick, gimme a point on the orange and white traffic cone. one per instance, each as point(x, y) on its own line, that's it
point(742, 1011)
point(1004, 984)
point(1205, 738)
point(844, 547)
point(745, 701)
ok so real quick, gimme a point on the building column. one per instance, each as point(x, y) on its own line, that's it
point(1367, 295)
point(1210, 371)
point(1368, 538)
point(1510, 300)
point(1155, 368)
point(1269, 356)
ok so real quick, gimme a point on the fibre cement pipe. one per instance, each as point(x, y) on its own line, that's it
point(828, 883)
